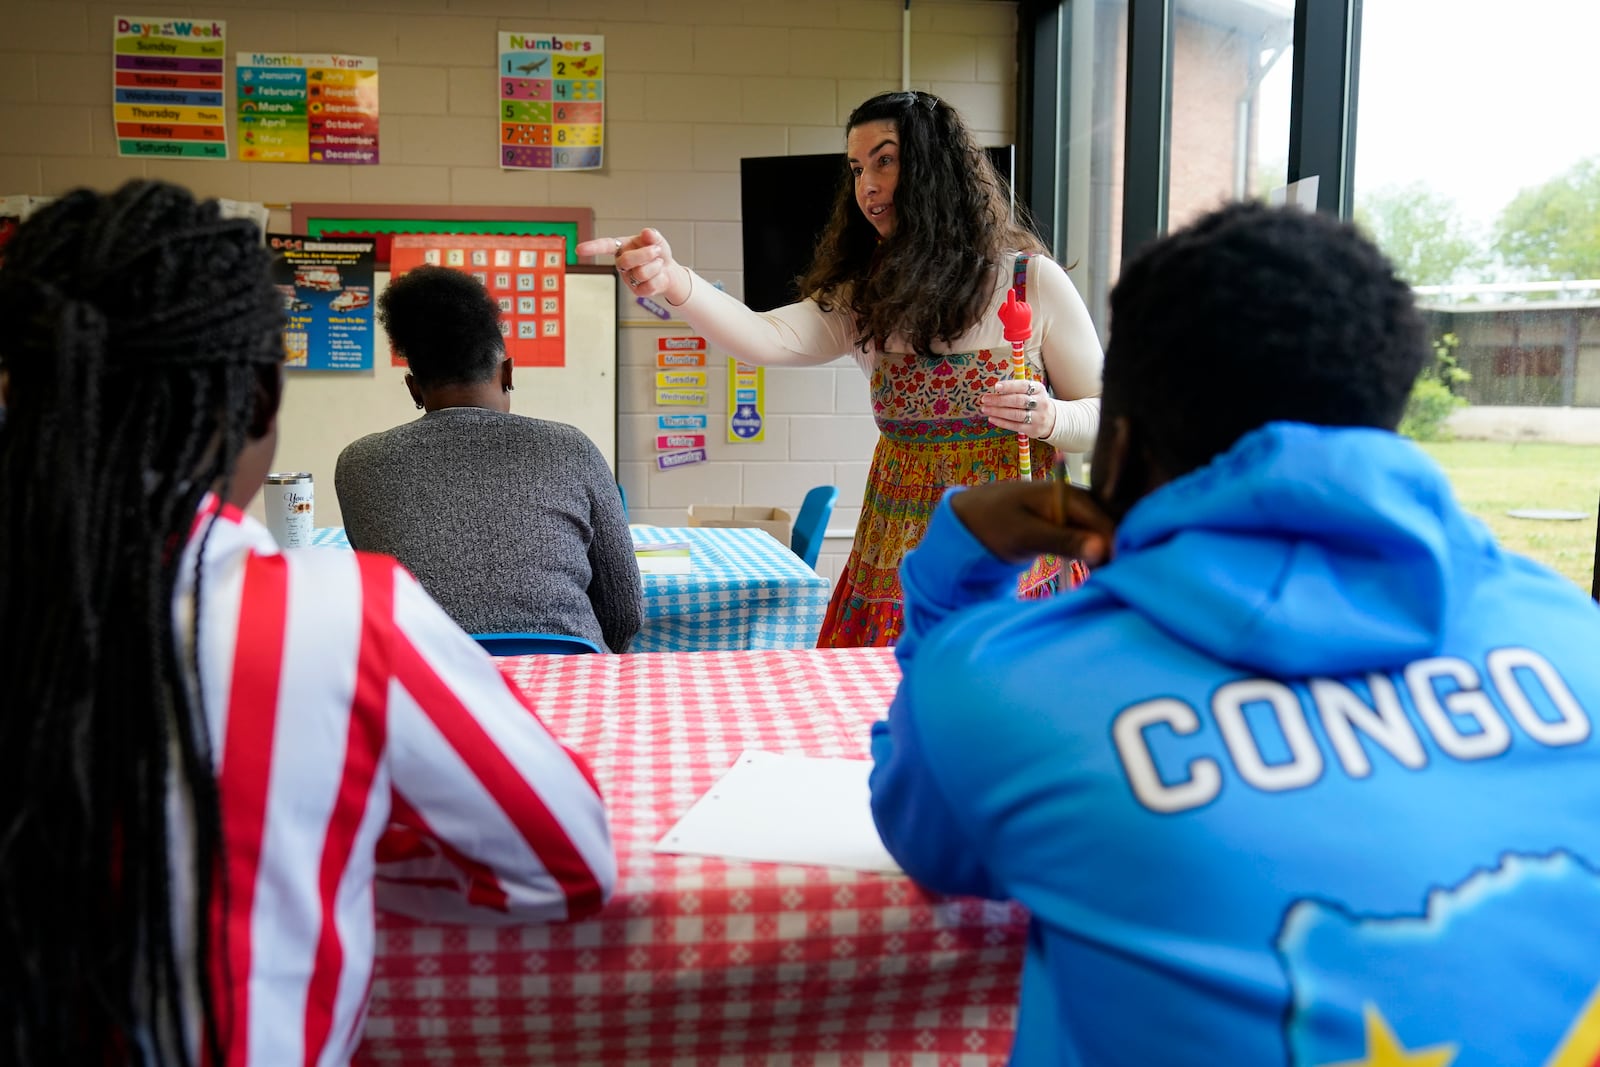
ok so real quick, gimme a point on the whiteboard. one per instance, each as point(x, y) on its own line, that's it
point(325, 410)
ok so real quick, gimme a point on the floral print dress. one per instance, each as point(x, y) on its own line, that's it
point(931, 437)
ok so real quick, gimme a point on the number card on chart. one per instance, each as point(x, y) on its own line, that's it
point(525, 275)
point(552, 101)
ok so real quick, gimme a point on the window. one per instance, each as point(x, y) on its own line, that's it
point(1095, 107)
point(1477, 168)
point(1230, 103)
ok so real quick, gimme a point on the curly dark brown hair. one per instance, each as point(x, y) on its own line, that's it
point(445, 324)
point(930, 279)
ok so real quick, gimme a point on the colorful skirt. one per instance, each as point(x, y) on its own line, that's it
point(905, 483)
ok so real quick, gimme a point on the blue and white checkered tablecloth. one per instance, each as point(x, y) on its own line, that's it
point(744, 589)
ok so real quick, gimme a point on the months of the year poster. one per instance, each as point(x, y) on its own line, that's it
point(552, 101)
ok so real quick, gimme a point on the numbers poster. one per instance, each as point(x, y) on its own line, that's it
point(307, 108)
point(552, 101)
point(327, 292)
point(526, 276)
point(167, 86)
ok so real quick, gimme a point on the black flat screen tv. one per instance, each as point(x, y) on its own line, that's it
point(785, 204)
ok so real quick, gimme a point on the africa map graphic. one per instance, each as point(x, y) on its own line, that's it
point(1452, 986)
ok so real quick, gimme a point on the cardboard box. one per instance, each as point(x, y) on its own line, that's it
point(776, 521)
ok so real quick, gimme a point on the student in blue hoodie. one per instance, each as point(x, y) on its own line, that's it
point(1307, 773)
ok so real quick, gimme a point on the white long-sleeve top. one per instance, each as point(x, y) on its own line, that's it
point(1064, 343)
point(367, 752)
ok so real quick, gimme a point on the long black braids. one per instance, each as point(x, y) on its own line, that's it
point(135, 330)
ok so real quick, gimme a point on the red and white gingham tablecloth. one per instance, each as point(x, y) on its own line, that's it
point(700, 961)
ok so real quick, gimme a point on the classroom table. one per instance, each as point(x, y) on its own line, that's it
point(700, 960)
point(744, 590)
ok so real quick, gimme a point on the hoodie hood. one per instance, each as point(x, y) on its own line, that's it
point(1303, 550)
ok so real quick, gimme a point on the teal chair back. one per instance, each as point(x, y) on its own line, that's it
point(534, 644)
point(812, 525)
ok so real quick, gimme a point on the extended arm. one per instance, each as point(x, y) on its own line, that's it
point(1071, 354)
point(1072, 357)
point(493, 819)
point(798, 335)
point(977, 543)
point(918, 822)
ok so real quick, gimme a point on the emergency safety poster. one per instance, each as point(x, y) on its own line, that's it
point(552, 101)
point(296, 108)
point(327, 293)
point(167, 87)
point(527, 276)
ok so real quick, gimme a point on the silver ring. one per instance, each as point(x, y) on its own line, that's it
point(618, 252)
point(1030, 388)
point(1032, 403)
point(633, 281)
point(1027, 418)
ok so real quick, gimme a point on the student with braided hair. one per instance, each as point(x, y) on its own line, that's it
point(214, 756)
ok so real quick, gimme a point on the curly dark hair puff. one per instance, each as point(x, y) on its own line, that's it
point(445, 324)
point(140, 328)
point(1254, 315)
point(932, 278)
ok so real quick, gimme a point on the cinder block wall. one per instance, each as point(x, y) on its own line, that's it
point(692, 86)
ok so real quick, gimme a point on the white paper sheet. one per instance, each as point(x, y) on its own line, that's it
point(777, 808)
point(661, 557)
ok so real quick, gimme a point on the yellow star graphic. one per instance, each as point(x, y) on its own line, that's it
point(1385, 1050)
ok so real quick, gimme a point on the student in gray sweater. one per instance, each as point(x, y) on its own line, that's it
point(512, 524)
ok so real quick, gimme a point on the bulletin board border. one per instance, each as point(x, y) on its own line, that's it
point(385, 221)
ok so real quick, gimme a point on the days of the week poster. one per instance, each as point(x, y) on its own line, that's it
point(552, 101)
point(327, 292)
point(167, 87)
point(526, 276)
point(295, 108)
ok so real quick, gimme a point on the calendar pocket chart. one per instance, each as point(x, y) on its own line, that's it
point(526, 276)
point(552, 101)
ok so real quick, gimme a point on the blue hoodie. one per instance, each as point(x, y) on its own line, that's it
point(1307, 775)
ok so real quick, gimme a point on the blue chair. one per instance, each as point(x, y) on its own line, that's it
point(534, 644)
point(812, 525)
point(623, 493)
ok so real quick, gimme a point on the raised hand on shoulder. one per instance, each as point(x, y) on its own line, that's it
point(1019, 520)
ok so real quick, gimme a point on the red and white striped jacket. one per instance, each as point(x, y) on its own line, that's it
point(365, 747)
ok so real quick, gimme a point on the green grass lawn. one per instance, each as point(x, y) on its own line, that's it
point(1493, 477)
